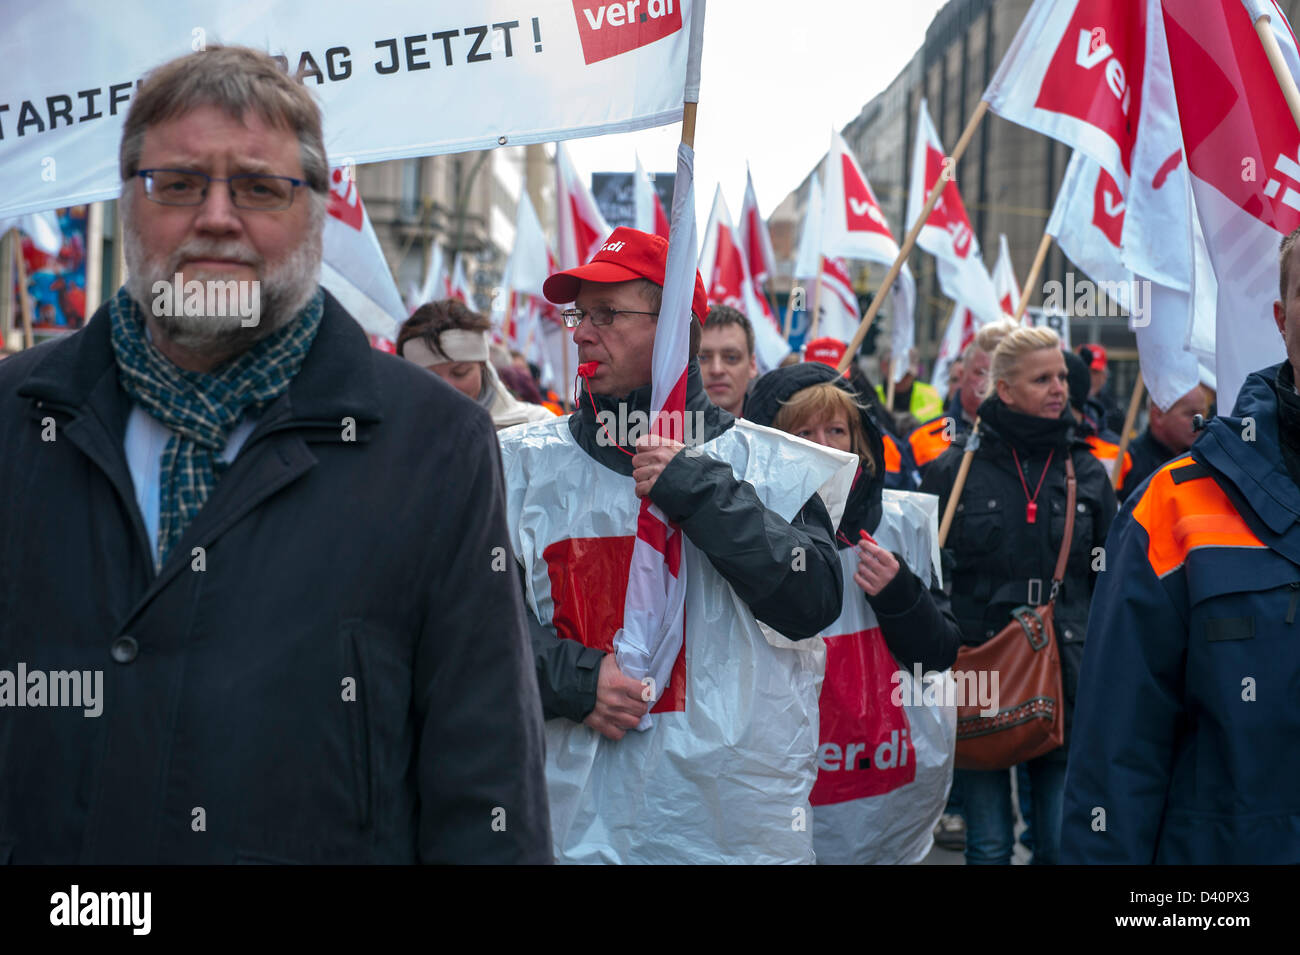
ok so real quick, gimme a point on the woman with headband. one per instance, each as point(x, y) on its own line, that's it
point(451, 340)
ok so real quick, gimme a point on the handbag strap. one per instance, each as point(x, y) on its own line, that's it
point(1071, 492)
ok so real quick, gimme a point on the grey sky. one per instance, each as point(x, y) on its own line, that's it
point(776, 77)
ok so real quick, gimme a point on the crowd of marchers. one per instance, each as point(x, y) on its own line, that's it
point(368, 608)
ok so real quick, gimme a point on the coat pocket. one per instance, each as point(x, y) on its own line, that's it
point(979, 525)
point(358, 710)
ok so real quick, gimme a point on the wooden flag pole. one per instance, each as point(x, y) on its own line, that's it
point(688, 123)
point(1116, 478)
point(7, 307)
point(972, 443)
point(817, 302)
point(94, 257)
point(910, 239)
point(889, 388)
point(1285, 80)
point(1028, 288)
point(24, 300)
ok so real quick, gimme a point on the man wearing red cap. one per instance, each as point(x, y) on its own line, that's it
point(1100, 395)
point(736, 725)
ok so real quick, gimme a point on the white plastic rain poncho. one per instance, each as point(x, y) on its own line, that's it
point(884, 770)
point(724, 772)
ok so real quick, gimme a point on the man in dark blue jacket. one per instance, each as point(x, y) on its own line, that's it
point(1187, 727)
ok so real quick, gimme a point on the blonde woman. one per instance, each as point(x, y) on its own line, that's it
point(1005, 537)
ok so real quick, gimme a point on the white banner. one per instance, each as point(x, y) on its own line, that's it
point(394, 79)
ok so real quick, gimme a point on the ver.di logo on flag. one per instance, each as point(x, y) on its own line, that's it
point(608, 29)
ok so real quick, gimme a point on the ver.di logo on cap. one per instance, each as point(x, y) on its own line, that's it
point(608, 29)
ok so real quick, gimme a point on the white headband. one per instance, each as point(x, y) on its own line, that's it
point(456, 344)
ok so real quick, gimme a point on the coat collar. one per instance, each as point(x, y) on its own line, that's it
point(589, 434)
point(337, 378)
point(1253, 465)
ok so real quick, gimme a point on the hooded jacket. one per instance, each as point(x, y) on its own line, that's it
point(749, 545)
point(915, 619)
point(1187, 723)
point(326, 664)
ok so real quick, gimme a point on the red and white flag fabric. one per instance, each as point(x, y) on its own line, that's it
point(756, 247)
point(728, 282)
point(41, 227)
point(808, 258)
point(839, 303)
point(580, 226)
point(854, 227)
point(1087, 223)
point(580, 232)
point(353, 268)
point(1074, 72)
point(1155, 91)
point(947, 233)
point(647, 644)
point(458, 286)
point(1004, 279)
point(649, 210)
point(1241, 144)
point(434, 286)
point(529, 265)
point(959, 333)
point(756, 241)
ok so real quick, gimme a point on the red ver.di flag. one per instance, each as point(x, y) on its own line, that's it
point(1074, 72)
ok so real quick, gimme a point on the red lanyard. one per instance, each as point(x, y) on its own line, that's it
point(1031, 507)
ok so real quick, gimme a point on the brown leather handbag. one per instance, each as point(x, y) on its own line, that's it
point(1029, 720)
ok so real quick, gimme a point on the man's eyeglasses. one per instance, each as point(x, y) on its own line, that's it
point(186, 187)
point(600, 315)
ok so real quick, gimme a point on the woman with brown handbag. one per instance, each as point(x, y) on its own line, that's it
point(1006, 542)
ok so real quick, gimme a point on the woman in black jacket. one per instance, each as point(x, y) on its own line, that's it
point(1004, 541)
point(872, 803)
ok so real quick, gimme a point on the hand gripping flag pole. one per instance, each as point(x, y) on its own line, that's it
point(652, 635)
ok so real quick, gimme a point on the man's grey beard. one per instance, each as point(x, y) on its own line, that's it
point(285, 289)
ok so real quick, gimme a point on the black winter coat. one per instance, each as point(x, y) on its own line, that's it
point(344, 679)
point(997, 556)
point(749, 545)
point(915, 618)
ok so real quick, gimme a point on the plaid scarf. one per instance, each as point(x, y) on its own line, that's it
point(202, 408)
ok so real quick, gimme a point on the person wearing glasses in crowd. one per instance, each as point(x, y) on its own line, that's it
point(293, 670)
point(759, 546)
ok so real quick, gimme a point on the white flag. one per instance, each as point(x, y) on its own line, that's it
point(947, 233)
point(353, 267)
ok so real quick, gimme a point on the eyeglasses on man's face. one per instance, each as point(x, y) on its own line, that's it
point(600, 315)
point(188, 187)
